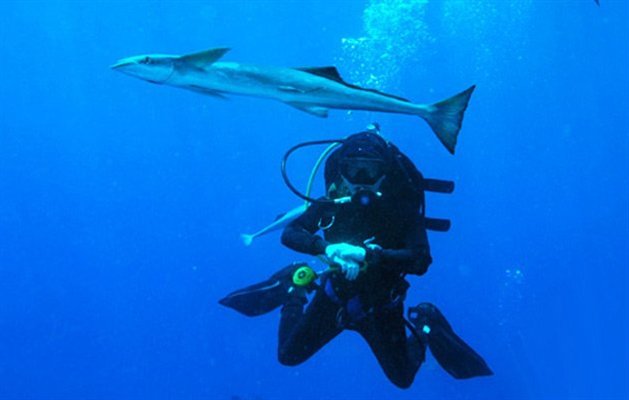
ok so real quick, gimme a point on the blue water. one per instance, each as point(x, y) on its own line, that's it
point(121, 202)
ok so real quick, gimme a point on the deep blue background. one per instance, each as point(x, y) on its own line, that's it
point(121, 203)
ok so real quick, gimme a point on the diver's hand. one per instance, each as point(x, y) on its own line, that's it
point(348, 257)
point(345, 251)
point(373, 246)
point(349, 267)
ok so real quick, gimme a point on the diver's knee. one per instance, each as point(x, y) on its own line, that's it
point(401, 376)
point(403, 382)
point(427, 308)
point(288, 359)
point(427, 316)
point(427, 313)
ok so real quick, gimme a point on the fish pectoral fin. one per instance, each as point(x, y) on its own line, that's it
point(279, 216)
point(209, 92)
point(310, 109)
point(204, 58)
point(289, 89)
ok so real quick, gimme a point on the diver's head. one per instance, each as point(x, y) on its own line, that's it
point(362, 170)
point(362, 178)
point(361, 166)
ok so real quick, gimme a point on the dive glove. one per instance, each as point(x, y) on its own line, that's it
point(345, 251)
point(348, 267)
point(347, 257)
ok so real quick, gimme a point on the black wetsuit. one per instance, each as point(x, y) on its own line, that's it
point(372, 304)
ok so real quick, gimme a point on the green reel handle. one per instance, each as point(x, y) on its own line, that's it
point(304, 276)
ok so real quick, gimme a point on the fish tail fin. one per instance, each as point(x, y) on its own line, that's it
point(247, 239)
point(445, 117)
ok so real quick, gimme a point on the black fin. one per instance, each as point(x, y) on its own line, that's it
point(451, 352)
point(329, 72)
point(263, 297)
point(333, 74)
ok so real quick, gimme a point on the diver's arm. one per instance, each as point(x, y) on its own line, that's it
point(300, 235)
point(408, 261)
point(413, 258)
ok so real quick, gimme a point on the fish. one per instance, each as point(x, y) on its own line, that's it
point(280, 222)
point(314, 90)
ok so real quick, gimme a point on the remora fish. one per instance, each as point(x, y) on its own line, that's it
point(279, 223)
point(313, 90)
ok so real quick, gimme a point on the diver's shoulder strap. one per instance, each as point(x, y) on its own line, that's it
point(437, 224)
point(437, 186)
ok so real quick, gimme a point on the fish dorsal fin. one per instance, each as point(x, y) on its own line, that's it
point(329, 72)
point(333, 74)
point(206, 57)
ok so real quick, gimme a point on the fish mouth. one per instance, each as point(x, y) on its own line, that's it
point(120, 64)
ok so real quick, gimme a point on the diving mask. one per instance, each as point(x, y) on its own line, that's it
point(362, 171)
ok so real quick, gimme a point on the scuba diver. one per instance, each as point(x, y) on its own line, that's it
point(374, 233)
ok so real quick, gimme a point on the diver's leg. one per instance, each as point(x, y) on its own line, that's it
point(302, 334)
point(400, 357)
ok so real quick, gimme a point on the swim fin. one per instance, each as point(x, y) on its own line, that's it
point(450, 351)
point(263, 297)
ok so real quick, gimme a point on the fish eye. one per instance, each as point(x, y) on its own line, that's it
point(146, 60)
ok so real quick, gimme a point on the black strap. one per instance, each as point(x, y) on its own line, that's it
point(437, 224)
point(438, 186)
